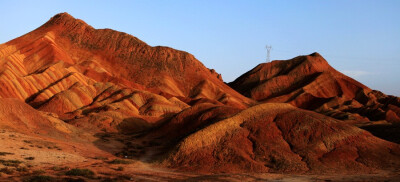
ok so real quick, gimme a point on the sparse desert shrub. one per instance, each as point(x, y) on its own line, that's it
point(22, 169)
point(13, 163)
point(100, 158)
point(7, 170)
point(29, 158)
point(40, 178)
point(27, 141)
point(120, 168)
point(120, 161)
point(5, 153)
point(58, 168)
point(80, 172)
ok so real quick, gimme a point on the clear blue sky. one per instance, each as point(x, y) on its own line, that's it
point(359, 37)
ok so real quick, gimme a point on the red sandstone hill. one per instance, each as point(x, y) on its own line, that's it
point(276, 137)
point(66, 49)
point(112, 92)
point(309, 82)
point(18, 116)
point(89, 75)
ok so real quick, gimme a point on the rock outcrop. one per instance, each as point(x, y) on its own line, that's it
point(309, 82)
point(67, 46)
point(20, 117)
point(69, 68)
point(275, 137)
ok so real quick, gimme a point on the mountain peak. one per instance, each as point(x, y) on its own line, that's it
point(66, 20)
point(61, 17)
point(315, 54)
point(316, 58)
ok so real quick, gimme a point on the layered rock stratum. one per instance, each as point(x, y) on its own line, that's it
point(98, 94)
point(309, 82)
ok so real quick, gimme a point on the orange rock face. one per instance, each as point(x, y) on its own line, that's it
point(69, 68)
point(281, 138)
point(309, 82)
point(68, 80)
point(109, 56)
point(19, 116)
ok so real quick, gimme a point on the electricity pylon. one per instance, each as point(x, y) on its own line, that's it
point(268, 53)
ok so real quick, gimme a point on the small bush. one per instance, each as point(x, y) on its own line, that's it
point(40, 178)
point(120, 168)
point(13, 163)
point(100, 158)
point(120, 161)
point(22, 169)
point(29, 158)
point(58, 168)
point(7, 170)
point(80, 172)
point(5, 153)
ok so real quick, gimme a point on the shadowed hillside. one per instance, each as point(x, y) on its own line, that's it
point(79, 103)
point(309, 82)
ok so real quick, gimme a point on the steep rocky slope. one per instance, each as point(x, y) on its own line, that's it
point(275, 137)
point(20, 117)
point(65, 51)
point(99, 93)
point(104, 78)
point(309, 82)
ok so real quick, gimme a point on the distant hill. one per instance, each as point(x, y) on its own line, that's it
point(309, 82)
